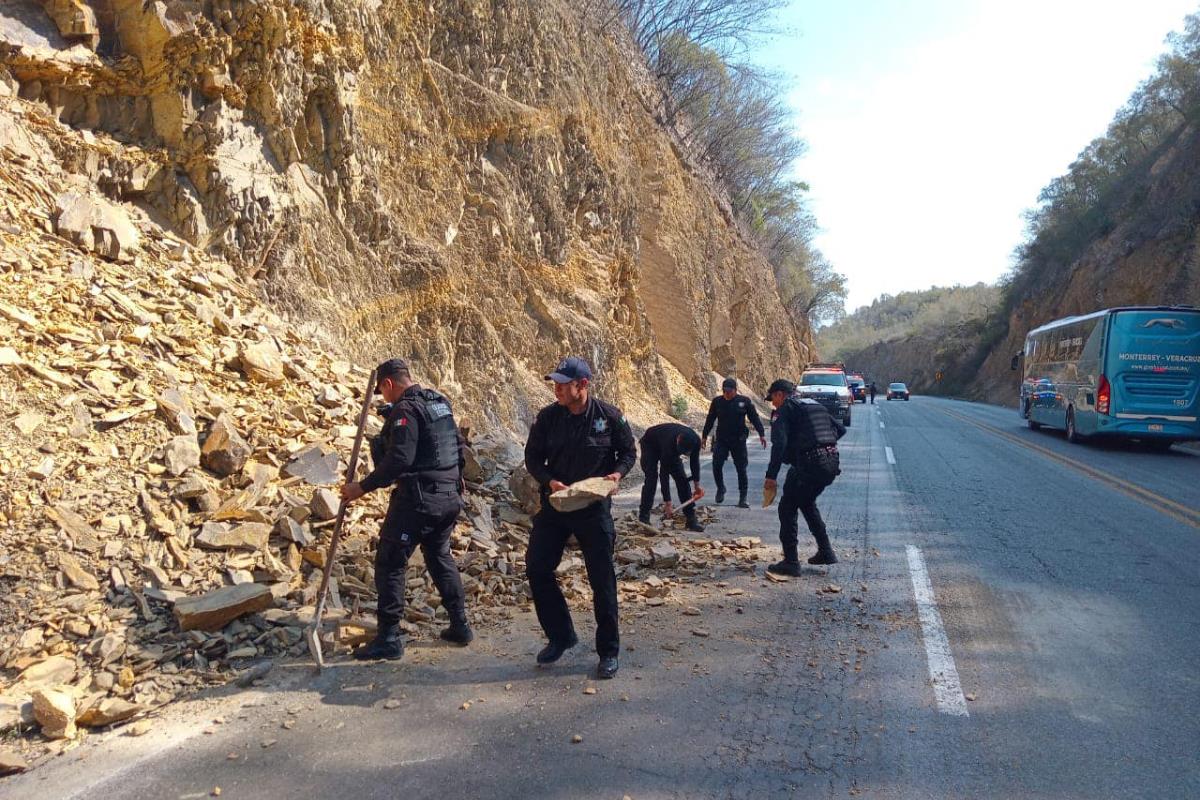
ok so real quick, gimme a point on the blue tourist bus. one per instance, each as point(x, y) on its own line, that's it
point(1129, 372)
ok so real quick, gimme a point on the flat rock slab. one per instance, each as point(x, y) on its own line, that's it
point(314, 466)
point(11, 761)
point(582, 494)
point(211, 611)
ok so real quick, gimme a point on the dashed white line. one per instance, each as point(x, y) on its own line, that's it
point(947, 691)
point(891, 457)
point(881, 424)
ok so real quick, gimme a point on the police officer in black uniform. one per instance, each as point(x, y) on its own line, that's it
point(419, 454)
point(872, 388)
point(662, 448)
point(730, 410)
point(804, 435)
point(576, 437)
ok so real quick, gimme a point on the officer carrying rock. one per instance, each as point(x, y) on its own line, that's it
point(576, 437)
point(804, 435)
point(662, 448)
point(420, 454)
point(730, 410)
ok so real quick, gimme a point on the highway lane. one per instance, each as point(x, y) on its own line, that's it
point(1069, 605)
point(1004, 626)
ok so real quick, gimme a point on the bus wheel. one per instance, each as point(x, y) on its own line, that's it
point(1072, 434)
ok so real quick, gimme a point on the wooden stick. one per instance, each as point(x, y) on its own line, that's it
point(314, 638)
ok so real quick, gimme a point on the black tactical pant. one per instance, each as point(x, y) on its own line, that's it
point(427, 524)
point(805, 482)
point(723, 450)
point(655, 467)
point(593, 529)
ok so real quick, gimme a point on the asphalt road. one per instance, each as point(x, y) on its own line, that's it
point(1015, 617)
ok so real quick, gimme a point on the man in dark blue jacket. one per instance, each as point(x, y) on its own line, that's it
point(663, 447)
point(576, 437)
point(730, 411)
point(804, 435)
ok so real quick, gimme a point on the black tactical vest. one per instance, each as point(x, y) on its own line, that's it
point(809, 425)
point(437, 439)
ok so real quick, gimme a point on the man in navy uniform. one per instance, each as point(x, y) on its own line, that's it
point(663, 447)
point(804, 435)
point(576, 437)
point(421, 456)
point(730, 410)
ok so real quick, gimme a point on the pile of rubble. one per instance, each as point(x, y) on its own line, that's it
point(170, 454)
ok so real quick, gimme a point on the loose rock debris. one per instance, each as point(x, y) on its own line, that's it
point(168, 459)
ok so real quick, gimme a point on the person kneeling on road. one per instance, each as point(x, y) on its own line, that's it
point(662, 447)
point(420, 451)
point(804, 435)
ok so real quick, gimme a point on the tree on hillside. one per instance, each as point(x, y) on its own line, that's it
point(734, 119)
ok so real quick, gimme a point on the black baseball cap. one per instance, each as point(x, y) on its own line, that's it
point(729, 383)
point(570, 369)
point(780, 385)
point(389, 369)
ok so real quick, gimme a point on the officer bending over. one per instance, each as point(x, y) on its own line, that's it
point(730, 410)
point(420, 454)
point(804, 435)
point(662, 447)
point(576, 437)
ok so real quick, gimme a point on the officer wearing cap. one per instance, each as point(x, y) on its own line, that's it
point(663, 446)
point(804, 435)
point(576, 437)
point(419, 453)
point(730, 410)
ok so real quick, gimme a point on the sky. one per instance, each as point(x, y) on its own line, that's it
point(932, 125)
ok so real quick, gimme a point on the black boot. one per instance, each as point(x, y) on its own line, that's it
point(644, 519)
point(459, 632)
point(693, 524)
point(790, 565)
point(388, 646)
point(742, 501)
point(825, 554)
point(554, 651)
point(720, 495)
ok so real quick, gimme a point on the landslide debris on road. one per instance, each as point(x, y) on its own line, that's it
point(207, 211)
point(168, 438)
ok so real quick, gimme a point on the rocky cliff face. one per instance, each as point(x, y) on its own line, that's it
point(478, 185)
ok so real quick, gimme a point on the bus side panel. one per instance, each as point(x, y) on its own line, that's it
point(1087, 421)
point(1152, 362)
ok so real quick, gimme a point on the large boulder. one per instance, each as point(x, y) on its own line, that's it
point(525, 489)
point(96, 225)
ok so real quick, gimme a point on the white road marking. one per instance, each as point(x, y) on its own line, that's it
point(942, 673)
point(891, 457)
point(881, 424)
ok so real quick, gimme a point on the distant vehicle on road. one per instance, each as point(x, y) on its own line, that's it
point(897, 391)
point(1122, 372)
point(858, 385)
point(826, 383)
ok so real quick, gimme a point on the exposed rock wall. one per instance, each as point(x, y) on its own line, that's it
point(1150, 256)
point(477, 185)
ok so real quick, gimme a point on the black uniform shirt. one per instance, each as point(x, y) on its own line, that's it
point(730, 417)
point(798, 426)
point(401, 434)
point(670, 441)
point(569, 447)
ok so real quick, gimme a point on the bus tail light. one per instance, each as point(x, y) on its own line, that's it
point(1103, 395)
